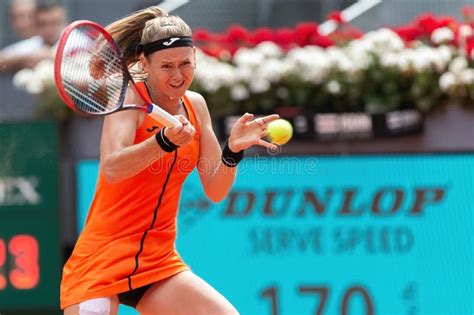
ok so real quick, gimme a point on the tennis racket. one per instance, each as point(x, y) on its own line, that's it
point(91, 76)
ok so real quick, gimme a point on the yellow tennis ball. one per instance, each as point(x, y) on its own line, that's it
point(279, 131)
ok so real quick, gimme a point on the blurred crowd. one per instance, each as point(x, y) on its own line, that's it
point(37, 25)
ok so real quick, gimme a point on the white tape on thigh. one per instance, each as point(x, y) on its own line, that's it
point(100, 306)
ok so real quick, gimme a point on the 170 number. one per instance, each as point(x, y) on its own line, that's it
point(24, 268)
point(272, 294)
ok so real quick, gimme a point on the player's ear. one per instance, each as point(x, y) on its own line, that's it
point(143, 63)
point(194, 56)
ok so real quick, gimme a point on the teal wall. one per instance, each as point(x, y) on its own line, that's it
point(363, 234)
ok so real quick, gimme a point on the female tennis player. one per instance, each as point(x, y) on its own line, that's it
point(126, 252)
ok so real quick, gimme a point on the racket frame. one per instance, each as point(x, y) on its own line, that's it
point(157, 112)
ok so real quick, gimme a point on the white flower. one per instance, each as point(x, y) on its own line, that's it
point(382, 41)
point(420, 59)
point(442, 35)
point(404, 63)
point(211, 84)
point(417, 61)
point(22, 78)
point(339, 60)
point(359, 53)
point(32, 81)
point(417, 43)
point(426, 58)
point(334, 87)
point(465, 31)
point(36, 80)
point(35, 87)
point(269, 49)
point(273, 69)
point(447, 81)
point(259, 85)
point(239, 92)
point(310, 63)
point(316, 73)
point(445, 53)
point(244, 74)
point(45, 72)
point(467, 76)
point(390, 59)
point(458, 64)
point(201, 56)
point(226, 73)
point(213, 74)
point(245, 57)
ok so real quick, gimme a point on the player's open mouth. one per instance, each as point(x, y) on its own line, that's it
point(178, 85)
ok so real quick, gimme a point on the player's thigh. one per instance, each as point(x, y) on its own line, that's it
point(184, 294)
point(101, 306)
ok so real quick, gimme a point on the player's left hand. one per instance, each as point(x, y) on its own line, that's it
point(248, 131)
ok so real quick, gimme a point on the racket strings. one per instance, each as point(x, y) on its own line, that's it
point(91, 72)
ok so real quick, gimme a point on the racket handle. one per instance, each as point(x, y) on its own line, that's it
point(163, 116)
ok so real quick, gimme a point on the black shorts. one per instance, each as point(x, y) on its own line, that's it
point(133, 297)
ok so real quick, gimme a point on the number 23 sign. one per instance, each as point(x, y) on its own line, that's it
point(23, 252)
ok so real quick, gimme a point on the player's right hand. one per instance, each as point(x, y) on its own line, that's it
point(181, 134)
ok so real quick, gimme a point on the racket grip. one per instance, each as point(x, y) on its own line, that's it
point(163, 116)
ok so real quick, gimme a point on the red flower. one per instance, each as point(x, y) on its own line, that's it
point(423, 26)
point(427, 23)
point(447, 21)
point(304, 32)
point(210, 51)
point(202, 35)
point(467, 11)
point(337, 17)
point(228, 44)
point(409, 32)
point(237, 34)
point(262, 34)
point(322, 41)
point(470, 47)
point(220, 38)
point(284, 37)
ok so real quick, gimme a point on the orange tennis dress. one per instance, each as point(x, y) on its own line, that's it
point(129, 237)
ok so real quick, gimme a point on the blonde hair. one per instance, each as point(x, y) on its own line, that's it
point(143, 27)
